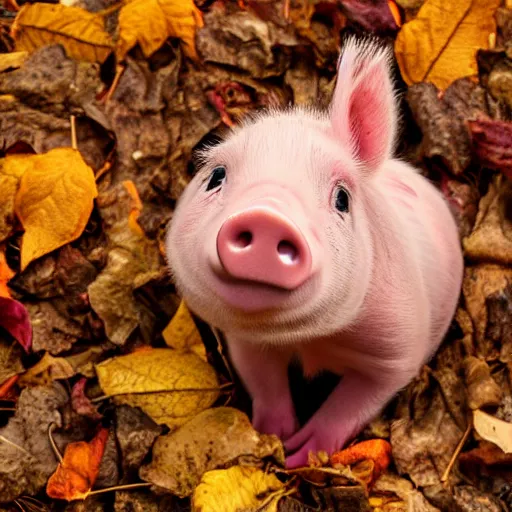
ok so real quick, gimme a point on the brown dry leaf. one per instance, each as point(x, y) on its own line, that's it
point(170, 387)
point(491, 239)
point(181, 333)
point(151, 22)
point(482, 389)
point(9, 180)
point(213, 439)
point(10, 362)
point(238, 488)
point(481, 282)
point(80, 32)
point(77, 472)
point(12, 60)
point(54, 200)
point(133, 261)
point(410, 499)
point(440, 44)
point(493, 429)
point(45, 371)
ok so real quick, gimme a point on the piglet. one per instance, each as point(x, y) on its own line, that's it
point(301, 236)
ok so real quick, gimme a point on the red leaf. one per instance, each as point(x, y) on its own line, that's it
point(14, 318)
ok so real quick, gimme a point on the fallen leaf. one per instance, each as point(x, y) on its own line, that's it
point(213, 439)
point(46, 370)
point(486, 459)
point(81, 403)
point(136, 433)
point(14, 318)
point(377, 450)
point(411, 499)
point(151, 22)
point(469, 499)
point(442, 119)
point(12, 60)
point(493, 429)
point(238, 488)
point(77, 472)
point(492, 140)
point(181, 333)
point(491, 239)
point(80, 32)
point(133, 261)
point(440, 44)
point(6, 274)
point(27, 456)
point(6, 385)
point(53, 330)
point(43, 201)
point(482, 389)
point(376, 16)
point(480, 282)
point(169, 386)
point(9, 181)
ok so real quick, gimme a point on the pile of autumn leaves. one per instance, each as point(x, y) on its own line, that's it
point(176, 386)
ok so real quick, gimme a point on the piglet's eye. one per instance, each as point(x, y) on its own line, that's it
point(217, 176)
point(342, 200)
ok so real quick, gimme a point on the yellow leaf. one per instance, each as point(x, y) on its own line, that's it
point(54, 200)
point(80, 32)
point(151, 22)
point(9, 180)
point(493, 429)
point(169, 386)
point(12, 60)
point(45, 371)
point(440, 44)
point(182, 333)
point(236, 489)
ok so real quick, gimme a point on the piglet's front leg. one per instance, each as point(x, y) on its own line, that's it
point(353, 403)
point(264, 372)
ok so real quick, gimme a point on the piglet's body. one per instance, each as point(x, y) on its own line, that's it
point(301, 237)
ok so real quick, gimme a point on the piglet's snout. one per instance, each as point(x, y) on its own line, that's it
point(261, 244)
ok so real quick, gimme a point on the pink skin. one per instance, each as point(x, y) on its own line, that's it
point(367, 293)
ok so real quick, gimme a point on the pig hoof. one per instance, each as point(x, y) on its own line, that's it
point(271, 420)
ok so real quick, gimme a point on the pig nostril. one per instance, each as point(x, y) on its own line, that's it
point(243, 240)
point(288, 253)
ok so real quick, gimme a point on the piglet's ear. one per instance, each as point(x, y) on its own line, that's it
point(363, 107)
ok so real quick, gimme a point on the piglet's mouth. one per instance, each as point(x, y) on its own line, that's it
point(247, 295)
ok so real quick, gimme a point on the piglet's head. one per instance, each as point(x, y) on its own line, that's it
point(272, 237)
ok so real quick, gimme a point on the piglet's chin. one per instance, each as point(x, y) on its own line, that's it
point(247, 296)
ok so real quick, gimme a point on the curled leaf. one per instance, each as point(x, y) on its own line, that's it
point(151, 22)
point(238, 488)
point(440, 44)
point(77, 472)
point(43, 201)
point(80, 32)
point(482, 389)
point(46, 370)
point(376, 450)
point(169, 386)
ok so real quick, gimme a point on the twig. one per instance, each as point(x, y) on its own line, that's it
point(9, 409)
point(74, 143)
point(286, 10)
point(52, 442)
point(463, 440)
point(110, 10)
point(119, 71)
point(121, 488)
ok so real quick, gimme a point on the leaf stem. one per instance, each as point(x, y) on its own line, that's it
point(74, 143)
point(51, 428)
point(458, 448)
point(121, 488)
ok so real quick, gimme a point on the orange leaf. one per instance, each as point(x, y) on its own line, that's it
point(395, 12)
point(377, 450)
point(6, 274)
point(136, 207)
point(77, 472)
point(7, 385)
